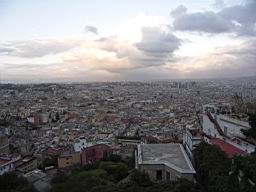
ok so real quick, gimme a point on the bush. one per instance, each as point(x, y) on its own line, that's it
point(12, 182)
point(140, 178)
point(117, 170)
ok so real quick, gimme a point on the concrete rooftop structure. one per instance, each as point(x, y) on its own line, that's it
point(167, 162)
point(172, 155)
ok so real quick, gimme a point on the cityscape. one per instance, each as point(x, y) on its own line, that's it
point(161, 105)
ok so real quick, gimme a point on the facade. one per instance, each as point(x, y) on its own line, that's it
point(192, 138)
point(4, 145)
point(67, 160)
point(94, 153)
point(40, 180)
point(230, 127)
point(227, 129)
point(167, 162)
point(6, 165)
point(79, 144)
point(54, 151)
point(26, 164)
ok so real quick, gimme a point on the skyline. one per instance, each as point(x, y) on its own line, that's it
point(64, 41)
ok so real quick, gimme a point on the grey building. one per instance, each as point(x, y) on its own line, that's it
point(164, 161)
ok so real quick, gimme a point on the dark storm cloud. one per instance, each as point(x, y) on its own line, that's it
point(91, 29)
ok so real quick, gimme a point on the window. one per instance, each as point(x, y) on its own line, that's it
point(159, 175)
point(167, 176)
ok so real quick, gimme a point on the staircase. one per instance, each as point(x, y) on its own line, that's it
point(216, 124)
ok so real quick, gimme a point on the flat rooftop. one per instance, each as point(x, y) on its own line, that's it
point(172, 155)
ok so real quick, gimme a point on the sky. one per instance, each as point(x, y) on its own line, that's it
point(126, 40)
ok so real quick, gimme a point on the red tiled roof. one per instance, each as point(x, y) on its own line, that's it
point(226, 147)
point(53, 150)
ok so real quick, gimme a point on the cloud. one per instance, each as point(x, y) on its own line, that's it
point(219, 4)
point(37, 48)
point(153, 52)
point(207, 21)
point(29, 66)
point(155, 40)
point(157, 46)
point(91, 29)
point(222, 62)
point(240, 19)
point(180, 10)
point(244, 15)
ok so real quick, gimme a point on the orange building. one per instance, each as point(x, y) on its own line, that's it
point(67, 160)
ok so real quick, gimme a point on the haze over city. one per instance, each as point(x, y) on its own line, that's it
point(128, 96)
point(83, 41)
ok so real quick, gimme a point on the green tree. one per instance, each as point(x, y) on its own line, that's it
point(185, 186)
point(252, 131)
point(210, 163)
point(10, 182)
point(83, 181)
point(140, 178)
point(116, 170)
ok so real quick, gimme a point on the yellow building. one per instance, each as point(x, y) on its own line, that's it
point(67, 160)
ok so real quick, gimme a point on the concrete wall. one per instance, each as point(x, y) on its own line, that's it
point(4, 145)
point(6, 167)
point(208, 127)
point(233, 126)
point(174, 175)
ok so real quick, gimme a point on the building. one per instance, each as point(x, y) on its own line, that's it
point(229, 126)
point(79, 144)
point(66, 160)
point(191, 139)
point(217, 127)
point(167, 162)
point(225, 146)
point(54, 151)
point(6, 165)
point(41, 181)
point(4, 145)
point(26, 164)
point(94, 153)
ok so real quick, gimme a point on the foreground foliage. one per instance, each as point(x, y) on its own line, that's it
point(251, 133)
point(216, 172)
point(10, 182)
point(109, 176)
